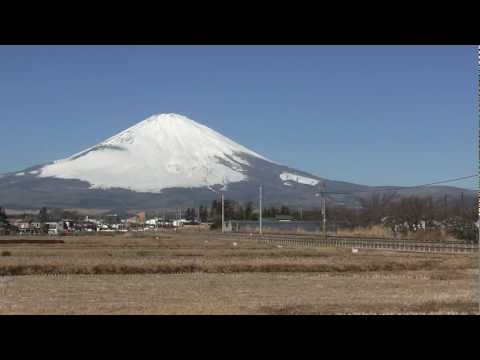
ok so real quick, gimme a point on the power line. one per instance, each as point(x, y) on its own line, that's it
point(403, 187)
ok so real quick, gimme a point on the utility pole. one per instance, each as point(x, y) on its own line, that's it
point(260, 206)
point(223, 205)
point(223, 215)
point(324, 212)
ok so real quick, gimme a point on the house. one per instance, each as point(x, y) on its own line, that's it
point(141, 217)
point(55, 228)
point(137, 219)
point(119, 227)
point(154, 221)
point(111, 219)
point(36, 227)
point(103, 227)
point(23, 227)
point(177, 223)
point(151, 222)
point(88, 226)
point(68, 225)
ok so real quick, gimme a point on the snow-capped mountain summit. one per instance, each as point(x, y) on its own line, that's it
point(170, 161)
point(163, 151)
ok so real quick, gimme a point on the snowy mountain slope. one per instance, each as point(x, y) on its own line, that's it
point(289, 178)
point(163, 151)
point(169, 161)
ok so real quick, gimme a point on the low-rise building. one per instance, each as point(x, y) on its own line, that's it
point(36, 226)
point(55, 228)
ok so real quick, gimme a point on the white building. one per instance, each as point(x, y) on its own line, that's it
point(153, 222)
point(177, 223)
point(55, 228)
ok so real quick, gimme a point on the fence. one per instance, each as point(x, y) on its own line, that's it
point(309, 241)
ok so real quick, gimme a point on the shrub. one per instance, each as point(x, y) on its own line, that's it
point(6, 253)
point(217, 224)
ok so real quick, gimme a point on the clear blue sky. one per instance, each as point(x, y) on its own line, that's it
point(375, 115)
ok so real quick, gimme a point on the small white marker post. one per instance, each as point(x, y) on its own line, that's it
point(223, 215)
point(324, 212)
point(260, 206)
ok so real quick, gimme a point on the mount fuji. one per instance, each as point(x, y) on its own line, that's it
point(167, 161)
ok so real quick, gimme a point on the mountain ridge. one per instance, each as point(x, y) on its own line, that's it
point(171, 160)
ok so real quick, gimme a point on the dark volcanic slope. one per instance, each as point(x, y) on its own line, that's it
point(172, 161)
point(31, 191)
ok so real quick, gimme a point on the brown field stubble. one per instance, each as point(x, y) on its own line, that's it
point(204, 274)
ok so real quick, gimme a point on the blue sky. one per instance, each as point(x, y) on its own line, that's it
point(375, 115)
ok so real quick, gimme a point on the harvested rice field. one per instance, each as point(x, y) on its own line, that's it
point(207, 273)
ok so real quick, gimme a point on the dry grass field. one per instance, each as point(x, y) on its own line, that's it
point(205, 273)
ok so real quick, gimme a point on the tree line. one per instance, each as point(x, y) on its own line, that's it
point(408, 214)
point(404, 214)
point(399, 214)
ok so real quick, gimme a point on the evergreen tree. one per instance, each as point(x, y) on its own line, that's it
point(43, 215)
point(248, 210)
point(215, 208)
point(240, 215)
point(284, 210)
point(190, 214)
point(3, 217)
point(270, 212)
point(228, 208)
point(203, 213)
